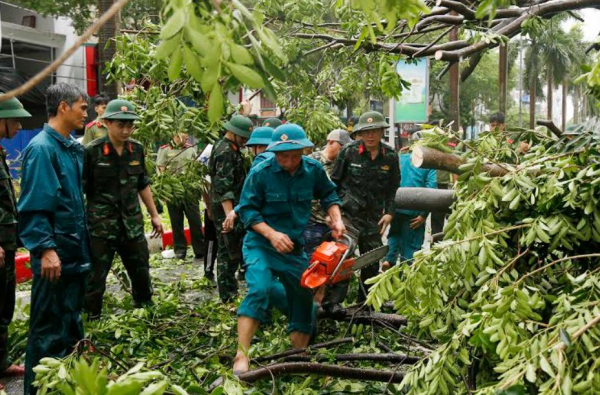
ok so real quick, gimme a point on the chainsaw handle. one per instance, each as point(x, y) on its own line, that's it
point(350, 241)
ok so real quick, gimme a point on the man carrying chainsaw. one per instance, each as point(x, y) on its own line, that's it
point(275, 206)
point(367, 174)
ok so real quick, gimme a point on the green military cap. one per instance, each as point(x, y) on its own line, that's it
point(272, 122)
point(120, 109)
point(240, 125)
point(370, 120)
point(12, 108)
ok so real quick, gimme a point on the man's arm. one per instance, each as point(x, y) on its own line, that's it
point(37, 204)
point(87, 136)
point(339, 168)
point(392, 186)
point(222, 183)
point(146, 195)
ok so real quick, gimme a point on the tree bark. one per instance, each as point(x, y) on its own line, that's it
point(321, 369)
point(532, 100)
point(551, 126)
point(107, 48)
point(389, 357)
point(550, 95)
point(576, 105)
point(454, 86)
point(503, 77)
point(424, 199)
point(565, 86)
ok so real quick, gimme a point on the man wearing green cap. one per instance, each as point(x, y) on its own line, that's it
point(53, 228)
point(114, 175)
point(11, 112)
point(367, 174)
point(275, 207)
point(228, 172)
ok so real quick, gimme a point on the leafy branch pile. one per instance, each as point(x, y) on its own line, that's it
point(512, 294)
point(187, 340)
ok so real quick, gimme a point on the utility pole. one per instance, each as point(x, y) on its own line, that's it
point(521, 81)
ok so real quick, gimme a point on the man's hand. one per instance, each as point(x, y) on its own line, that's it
point(281, 242)
point(246, 108)
point(157, 226)
point(338, 228)
point(416, 223)
point(524, 147)
point(2, 257)
point(51, 266)
point(229, 222)
point(384, 222)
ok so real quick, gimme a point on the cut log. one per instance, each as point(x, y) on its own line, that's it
point(321, 369)
point(437, 237)
point(424, 199)
point(389, 357)
point(295, 351)
point(358, 316)
point(431, 158)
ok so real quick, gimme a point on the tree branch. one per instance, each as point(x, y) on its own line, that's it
point(296, 351)
point(389, 357)
point(320, 369)
point(52, 67)
point(551, 126)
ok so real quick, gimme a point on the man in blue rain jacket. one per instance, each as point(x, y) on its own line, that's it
point(52, 226)
point(407, 230)
point(275, 206)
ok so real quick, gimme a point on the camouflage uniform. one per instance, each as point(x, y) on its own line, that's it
point(116, 223)
point(227, 172)
point(93, 131)
point(367, 189)
point(8, 241)
point(174, 160)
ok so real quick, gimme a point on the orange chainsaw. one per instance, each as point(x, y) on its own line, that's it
point(331, 263)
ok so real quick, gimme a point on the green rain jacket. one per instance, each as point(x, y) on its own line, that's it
point(51, 207)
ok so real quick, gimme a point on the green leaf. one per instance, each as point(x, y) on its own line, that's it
point(240, 55)
point(215, 104)
point(199, 41)
point(173, 25)
point(564, 337)
point(167, 47)
point(246, 75)
point(174, 70)
point(156, 388)
point(192, 64)
point(210, 77)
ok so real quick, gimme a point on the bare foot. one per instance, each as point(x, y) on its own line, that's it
point(241, 363)
point(385, 266)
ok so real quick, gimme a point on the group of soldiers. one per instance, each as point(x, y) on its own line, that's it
point(79, 206)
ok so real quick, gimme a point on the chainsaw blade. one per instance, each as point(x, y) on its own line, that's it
point(371, 257)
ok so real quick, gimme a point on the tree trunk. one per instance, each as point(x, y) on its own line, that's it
point(565, 86)
point(424, 199)
point(576, 105)
point(532, 104)
point(107, 49)
point(289, 353)
point(430, 158)
point(550, 96)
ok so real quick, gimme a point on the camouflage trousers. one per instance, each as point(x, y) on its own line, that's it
point(229, 259)
point(135, 256)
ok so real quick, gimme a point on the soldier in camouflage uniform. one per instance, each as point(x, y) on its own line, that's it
point(173, 158)
point(367, 174)
point(10, 113)
point(227, 172)
point(114, 176)
point(96, 129)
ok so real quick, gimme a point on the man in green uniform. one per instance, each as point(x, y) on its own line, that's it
point(96, 129)
point(11, 111)
point(52, 227)
point(114, 176)
point(275, 206)
point(174, 159)
point(227, 172)
point(367, 174)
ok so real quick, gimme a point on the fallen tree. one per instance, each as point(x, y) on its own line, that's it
point(424, 199)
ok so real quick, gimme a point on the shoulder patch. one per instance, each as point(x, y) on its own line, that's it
point(164, 146)
point(89, 125)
